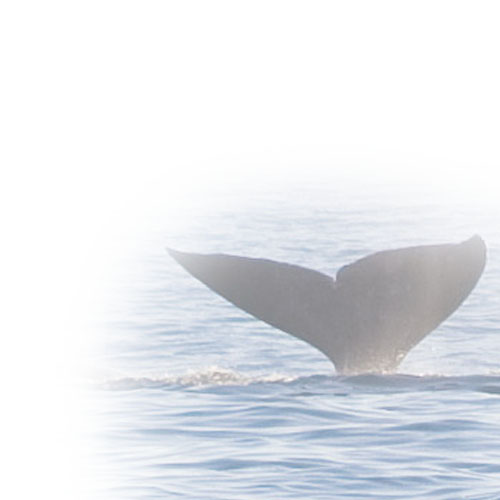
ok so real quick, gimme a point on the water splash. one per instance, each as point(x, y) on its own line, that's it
point(212, 376)
point(216, 376)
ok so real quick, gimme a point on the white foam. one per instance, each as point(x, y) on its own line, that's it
point(211, 376)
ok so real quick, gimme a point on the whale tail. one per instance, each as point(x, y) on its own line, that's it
point(365, 320)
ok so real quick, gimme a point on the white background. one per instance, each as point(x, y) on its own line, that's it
point(113, 110)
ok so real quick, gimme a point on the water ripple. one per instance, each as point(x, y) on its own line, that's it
point(218, 376)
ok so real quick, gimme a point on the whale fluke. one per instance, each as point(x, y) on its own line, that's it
point(365, 320)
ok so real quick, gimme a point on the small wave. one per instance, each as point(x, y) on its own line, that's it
point(216, 376)
point(213, 376)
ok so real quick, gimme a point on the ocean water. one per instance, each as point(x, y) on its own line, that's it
point(197, 400)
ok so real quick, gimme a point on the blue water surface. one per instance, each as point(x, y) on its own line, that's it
point(198, 400)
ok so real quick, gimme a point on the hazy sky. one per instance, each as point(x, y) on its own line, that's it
point(123, 97)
